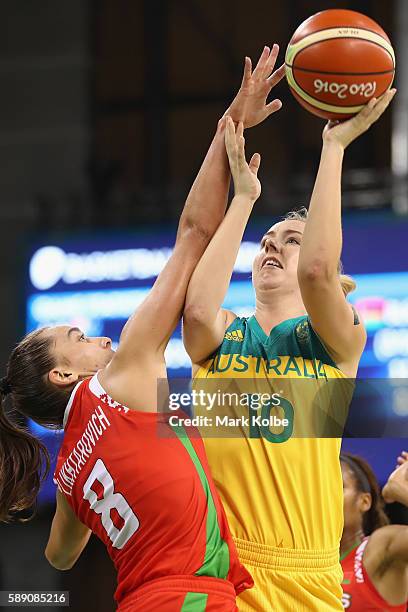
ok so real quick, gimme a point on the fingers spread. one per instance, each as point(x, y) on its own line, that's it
point(260, 67)
point(247, 71)
point(276, 76)
point(371, 104)
point(403, 458)
point(376, 106)
point(270, 63)
point(255, 163)
point(383, 102)
point(273, 106)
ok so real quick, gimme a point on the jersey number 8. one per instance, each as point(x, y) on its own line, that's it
point(110, 501)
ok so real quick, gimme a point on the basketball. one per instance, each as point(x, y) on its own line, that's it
point(336, 61)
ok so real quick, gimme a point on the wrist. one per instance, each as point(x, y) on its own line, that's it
point(244, 199)
point(234, 119)
point(331, 144)
point(395, 492)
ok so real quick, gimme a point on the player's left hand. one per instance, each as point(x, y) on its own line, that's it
point(345, 132)
point(245, 176)
point(397, 480)
point(250, 104)
point(403, 458)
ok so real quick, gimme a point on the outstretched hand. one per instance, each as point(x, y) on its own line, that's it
point(403, 458)
point(250, 104)
point(397, 481)
point(344, 133)
point(246, 182)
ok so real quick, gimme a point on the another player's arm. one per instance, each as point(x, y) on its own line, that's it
point(387, 548)
point(139, 361)
point(331, 315)
point(204, 321)
point(153, 323)
point(68, 536)
point(150, 327)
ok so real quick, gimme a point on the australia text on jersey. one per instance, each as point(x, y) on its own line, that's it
point(94, 430)
point(281, 366)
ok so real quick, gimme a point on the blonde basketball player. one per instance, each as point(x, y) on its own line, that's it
point(283, 500)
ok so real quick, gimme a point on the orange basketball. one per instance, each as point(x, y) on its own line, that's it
point(336, 61)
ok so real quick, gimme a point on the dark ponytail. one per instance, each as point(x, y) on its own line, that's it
point(24, 460)
point(24, 463)
point(366, 482)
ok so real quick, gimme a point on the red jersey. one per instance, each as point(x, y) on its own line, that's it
point(359, 593)
point(144, 488)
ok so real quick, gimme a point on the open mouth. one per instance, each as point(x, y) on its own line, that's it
point(271, 262)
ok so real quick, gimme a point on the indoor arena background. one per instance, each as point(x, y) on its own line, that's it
point(107, 108)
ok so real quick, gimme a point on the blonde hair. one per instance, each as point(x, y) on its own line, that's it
point(347, 283)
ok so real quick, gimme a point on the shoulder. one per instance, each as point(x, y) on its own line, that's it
point(306, 340)
point(233, 338)
point(347, 368)
point(241, 335)
point(233, 322)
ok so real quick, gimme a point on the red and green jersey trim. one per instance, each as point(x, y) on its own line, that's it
point(194, 602)
point(216, 558)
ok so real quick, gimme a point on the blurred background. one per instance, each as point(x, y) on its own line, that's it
point(107, 108)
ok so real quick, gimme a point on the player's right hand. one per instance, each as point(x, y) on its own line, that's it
point(246, 182)
point(403, 458)
point(397, 482)
point(250, 104)
point(345, 132)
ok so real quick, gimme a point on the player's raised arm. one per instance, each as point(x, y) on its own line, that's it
point(68, 536)
point(331, 315)
point(150, 327)
point(152, 324)
point(204, 320)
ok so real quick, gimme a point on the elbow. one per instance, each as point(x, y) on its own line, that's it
point(58, 562)
point(195, 314)
point(316, 272)
point(190, 229)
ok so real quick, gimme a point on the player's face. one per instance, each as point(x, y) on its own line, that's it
point(275, 266)
point(355, 503)
point(78, 353)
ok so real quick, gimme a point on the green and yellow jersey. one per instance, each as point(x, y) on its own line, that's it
point(281, 487)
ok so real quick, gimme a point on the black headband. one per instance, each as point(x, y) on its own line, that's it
point(358, 472)
point(5, 387)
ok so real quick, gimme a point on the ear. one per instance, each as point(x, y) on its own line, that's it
point(62, 378)
point(365, 501)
